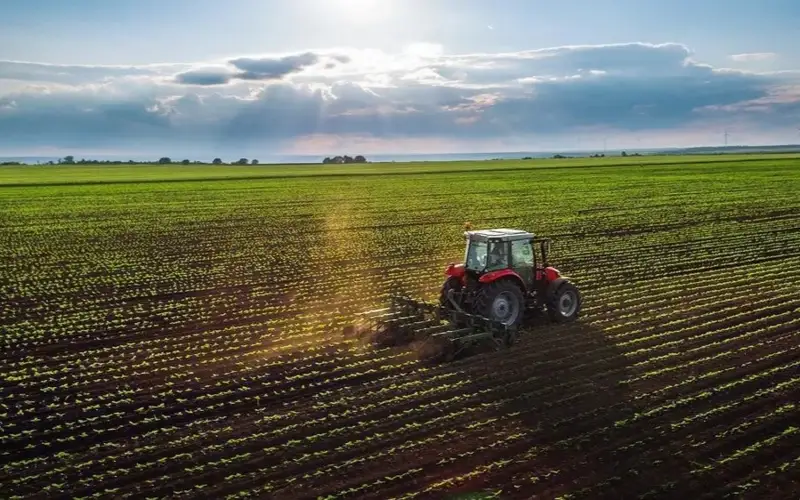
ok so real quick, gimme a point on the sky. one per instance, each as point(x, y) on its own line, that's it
point(235, 78)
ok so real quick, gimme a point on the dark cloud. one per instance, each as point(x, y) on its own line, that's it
point(79, 120)
point(272, 69)
point(204, 77)
point(636, 58)
point(623, 102)
point(273, 100)
point(258, 69)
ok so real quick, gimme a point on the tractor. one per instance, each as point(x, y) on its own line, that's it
point(489, 296)
point(502, 280)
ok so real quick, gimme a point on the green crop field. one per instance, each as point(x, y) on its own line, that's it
point(177, 331)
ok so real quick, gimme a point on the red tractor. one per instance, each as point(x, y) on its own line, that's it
point(487, 297)
point(503, 279)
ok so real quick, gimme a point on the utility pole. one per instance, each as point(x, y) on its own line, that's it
point(726, 137)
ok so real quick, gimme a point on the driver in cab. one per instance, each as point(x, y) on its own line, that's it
point(496, 257)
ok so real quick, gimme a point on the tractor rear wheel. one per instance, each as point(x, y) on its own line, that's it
point(563, 303)
point(501, 301)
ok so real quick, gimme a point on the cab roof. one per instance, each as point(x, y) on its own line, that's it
point(499, 234)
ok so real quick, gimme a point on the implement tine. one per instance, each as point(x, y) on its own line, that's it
point(396, 324)
point(376, 311)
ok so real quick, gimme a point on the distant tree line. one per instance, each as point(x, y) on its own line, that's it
point(596, 155)
point(164, 160)
point(345, 159)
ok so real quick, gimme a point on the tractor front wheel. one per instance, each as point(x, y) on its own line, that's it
point(501, 301)
point(564, 302)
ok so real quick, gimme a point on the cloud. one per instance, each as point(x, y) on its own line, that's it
point(204, 76)
point(6, 103)
point(258, 68)
point(75, 74)
point(753, 56)
point(416, 97)
point(273, 69)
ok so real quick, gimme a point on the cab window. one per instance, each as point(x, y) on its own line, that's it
point(521, 253)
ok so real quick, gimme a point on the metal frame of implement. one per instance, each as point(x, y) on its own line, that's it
point(408, 320)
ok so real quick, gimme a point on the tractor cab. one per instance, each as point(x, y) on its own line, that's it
point(496, 250)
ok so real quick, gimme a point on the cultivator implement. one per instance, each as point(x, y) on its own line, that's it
point(435, 331)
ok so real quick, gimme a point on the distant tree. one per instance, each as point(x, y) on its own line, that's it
point(624, 153)
point(164, 160)
point(68, 159)
point(217, 161)
point(345, 159)
point(241, 161)
point(253, 162)
point(185, 162)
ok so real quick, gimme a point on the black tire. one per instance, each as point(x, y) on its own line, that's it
point(495, 298)
point(563, 302)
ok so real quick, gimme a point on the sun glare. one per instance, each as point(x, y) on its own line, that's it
point(361, 11)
